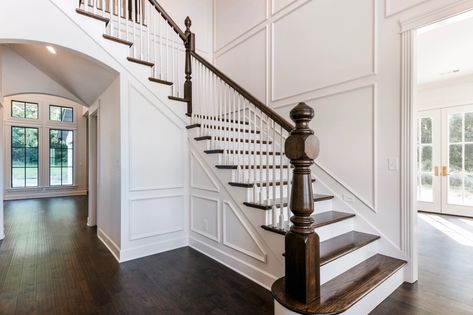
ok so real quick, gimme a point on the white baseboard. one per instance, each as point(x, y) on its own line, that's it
point(41, 194)
point(152, 249)
point(256, 275)
point(107, 241)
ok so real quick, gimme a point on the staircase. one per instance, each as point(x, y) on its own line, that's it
point(247, 143)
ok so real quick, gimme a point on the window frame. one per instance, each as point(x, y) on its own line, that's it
point(25, 167)
point(61, 107)
point(24, 109)
point(73, 167)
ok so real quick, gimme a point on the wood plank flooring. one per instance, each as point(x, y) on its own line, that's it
point(445, 283)
point(51, 263)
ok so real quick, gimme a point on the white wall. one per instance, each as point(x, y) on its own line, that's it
point(21, 77)
point(79, 126)
point(445, 94)
point(109, 167)
point(346, 63)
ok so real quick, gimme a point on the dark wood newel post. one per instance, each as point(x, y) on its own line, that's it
point(190, 47)
point(301, 242)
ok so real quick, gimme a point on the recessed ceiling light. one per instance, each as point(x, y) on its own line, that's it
point(51, 49)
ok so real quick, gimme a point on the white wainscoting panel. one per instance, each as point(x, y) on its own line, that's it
point(396, 6)
point(156, 147)
point(205, 217)
point(153, 216)
point(237, 234)
point(278, 5)
point(201, 178)
point(302, 46)
point(233, 18)
point(253, 51)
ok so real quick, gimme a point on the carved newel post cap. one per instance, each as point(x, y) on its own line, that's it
point(302, 144)
point(188, 23)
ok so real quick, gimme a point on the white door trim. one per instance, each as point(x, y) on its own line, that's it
point(408, 127)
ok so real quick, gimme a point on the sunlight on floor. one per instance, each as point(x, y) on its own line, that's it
point(452, 230)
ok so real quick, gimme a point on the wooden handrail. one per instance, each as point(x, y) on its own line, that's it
point(169, 19)
point(265, 109)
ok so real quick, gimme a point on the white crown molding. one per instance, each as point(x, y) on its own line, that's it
point(263, 257)
point(436, 15)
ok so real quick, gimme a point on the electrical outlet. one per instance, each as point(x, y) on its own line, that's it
point(348, 197)
point(393, 164)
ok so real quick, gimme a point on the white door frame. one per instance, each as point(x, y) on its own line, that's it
point(93, 169)
point(408, 126)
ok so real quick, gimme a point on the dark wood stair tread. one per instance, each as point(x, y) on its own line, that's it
point(221, 151)
point(246, 167)
point(92, 15)
point(320, 220)
point(261, 184)
point(141, 62)
point(267, 205)
point(118, 40)
point(233, 140)
point(156, 80)
point(179, 99)
point(342, 292)
point(213, 118)
point(223, 128)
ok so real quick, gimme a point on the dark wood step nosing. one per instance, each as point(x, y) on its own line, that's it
point(262, 206)
point(320, 221)
point(94, 16)
point(259, 184)
point(193, 126)
point(221, 151)
point(237, 122)
point(156, 80)
point(246, 167)
point(178, 99)
point(118, 40)
point(345, 290)
point(141, 62)
point(252, 141)
point(202, 138)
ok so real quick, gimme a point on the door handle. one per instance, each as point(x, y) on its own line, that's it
point(436, 171)
point(444, 171)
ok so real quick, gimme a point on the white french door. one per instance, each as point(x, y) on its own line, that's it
point(445, 161)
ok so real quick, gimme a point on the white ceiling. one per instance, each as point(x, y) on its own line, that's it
point(445, 50)
point(82, 76)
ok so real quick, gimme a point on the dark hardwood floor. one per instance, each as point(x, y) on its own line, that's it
point(51, 263)
point(445, 283)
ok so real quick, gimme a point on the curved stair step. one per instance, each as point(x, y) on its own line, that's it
point(268, 205)
point(343, 291)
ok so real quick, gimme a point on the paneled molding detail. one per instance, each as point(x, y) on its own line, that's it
point(371, 204)
point(228, 208)
point(195, 228)
point(196, 163)
point(133, 231)
point(286, 4)
point(371, 72)
point(397, 6)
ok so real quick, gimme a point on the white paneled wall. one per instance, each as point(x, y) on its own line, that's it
point(343, 58)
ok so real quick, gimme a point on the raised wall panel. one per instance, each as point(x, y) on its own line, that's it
point(156, 147)
point(345, 126)
point(155, 216)
point(250, 70)
point(312, 49)
point(395, 6)
point(280, 4)
point(234, 18)
point(237, 234)
point(205, 217)
point(201, 178)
